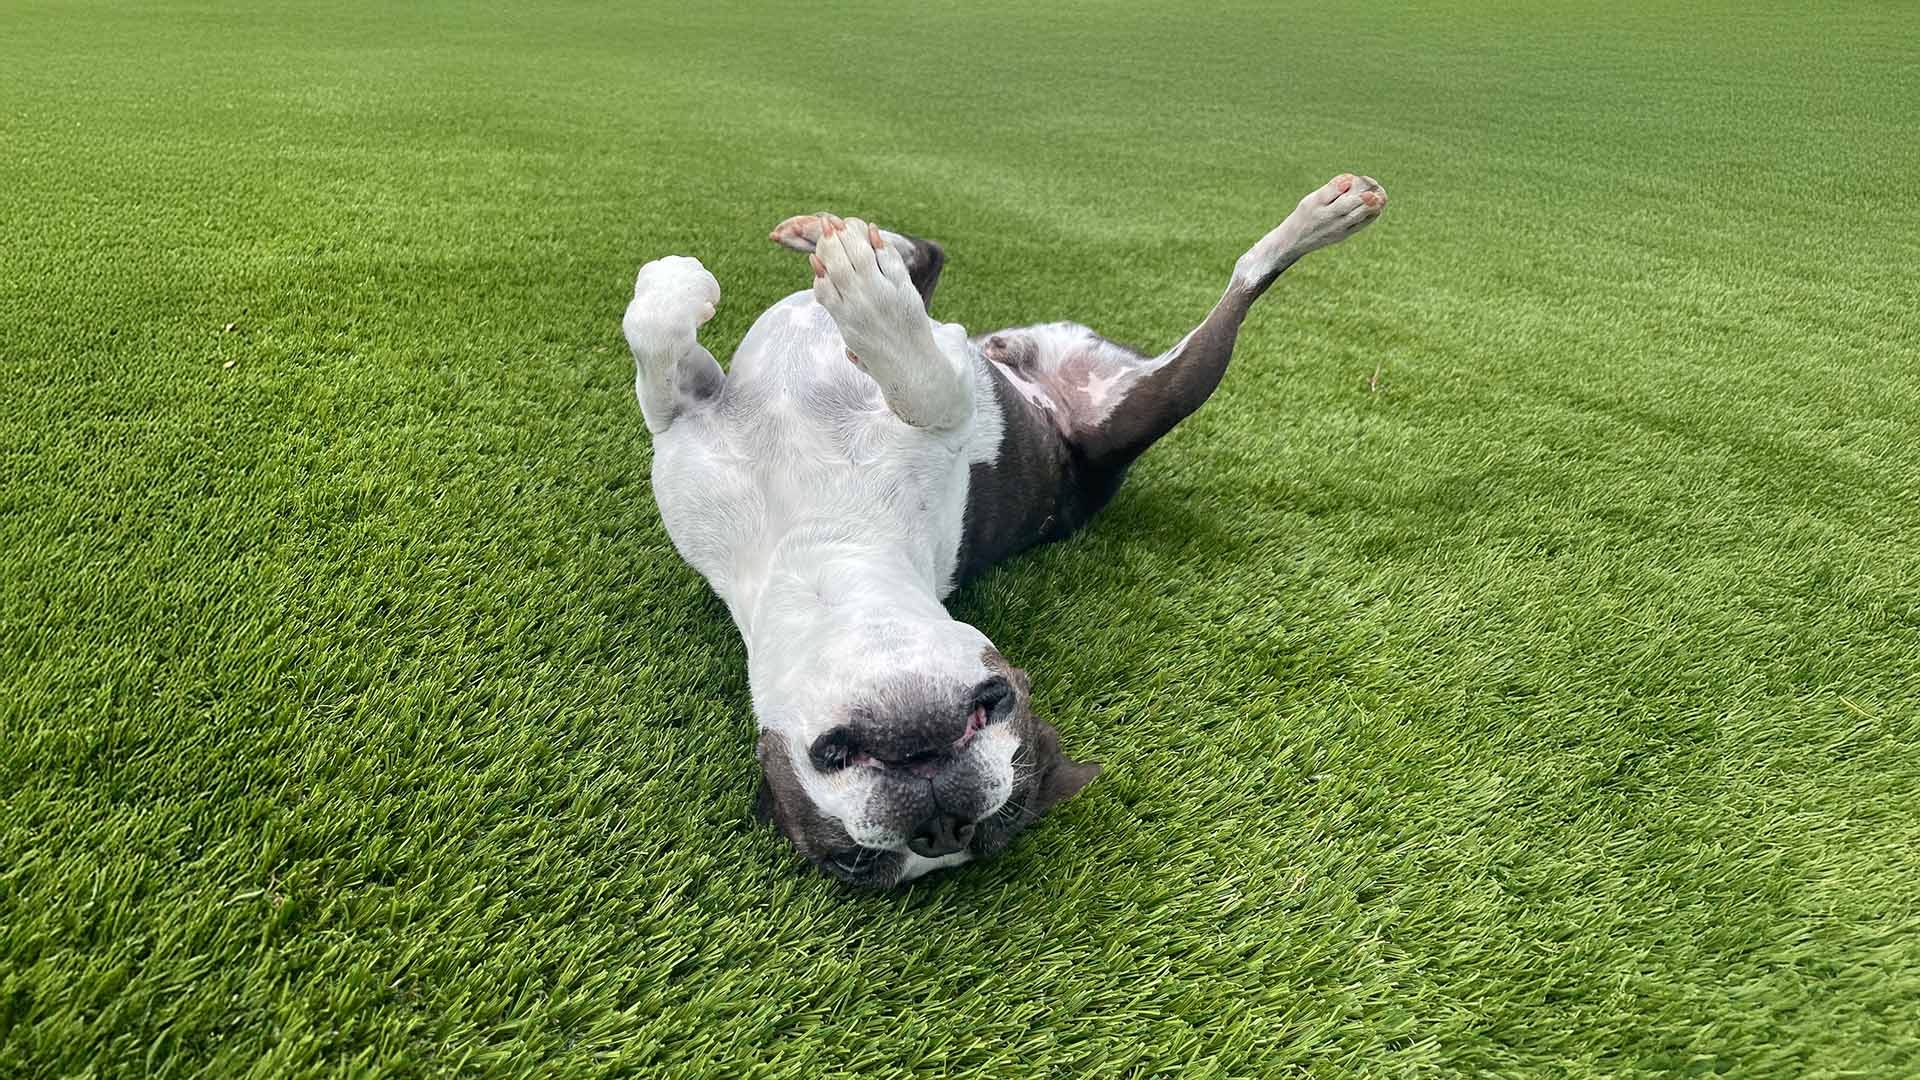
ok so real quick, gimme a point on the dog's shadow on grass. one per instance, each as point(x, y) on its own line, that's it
point(1144, 544)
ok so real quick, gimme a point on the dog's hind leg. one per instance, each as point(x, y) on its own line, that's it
point(673, 374)
point(1174, 384)
point(922, 258)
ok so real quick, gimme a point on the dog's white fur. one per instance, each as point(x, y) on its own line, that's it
point(823, 496)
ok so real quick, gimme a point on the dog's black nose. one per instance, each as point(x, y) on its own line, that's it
point(941, 834)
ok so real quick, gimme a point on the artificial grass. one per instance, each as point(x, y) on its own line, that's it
point(1510, 672)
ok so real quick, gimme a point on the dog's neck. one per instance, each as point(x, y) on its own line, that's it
point(820, 601)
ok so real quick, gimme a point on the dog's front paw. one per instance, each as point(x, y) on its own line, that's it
point(672, 298)
point(859, 278)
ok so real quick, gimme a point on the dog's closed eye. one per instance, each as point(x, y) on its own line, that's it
point(913, 736)
point(834, 750)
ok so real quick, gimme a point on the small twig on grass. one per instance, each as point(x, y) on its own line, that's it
point(1373, 384)
point(1864, 714)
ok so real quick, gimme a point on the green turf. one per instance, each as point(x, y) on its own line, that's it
point(1512, 671)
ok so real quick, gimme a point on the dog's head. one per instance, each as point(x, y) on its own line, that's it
point(914, 771)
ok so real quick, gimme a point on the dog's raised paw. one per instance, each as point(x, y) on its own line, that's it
point(1336, 210)
point(672, 298)
point(798, 233)
point(1326, 215)
point(859, 278)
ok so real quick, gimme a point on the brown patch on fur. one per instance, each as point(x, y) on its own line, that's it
point(1037, 489)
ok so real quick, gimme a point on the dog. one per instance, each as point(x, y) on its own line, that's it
point(853, 464)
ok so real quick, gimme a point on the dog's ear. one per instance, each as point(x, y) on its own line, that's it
point(1018, 676)
point(1061, 777)
point(763, 802)
point(1066, 780)
point(765, 806)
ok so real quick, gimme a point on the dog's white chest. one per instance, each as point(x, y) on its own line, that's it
point(803, 451)
point(794, 347)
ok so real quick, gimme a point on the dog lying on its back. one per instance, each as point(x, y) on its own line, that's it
point(858, 460)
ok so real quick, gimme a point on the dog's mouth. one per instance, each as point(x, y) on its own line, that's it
point(925, 764)
point(978, 839)
point(864, 866)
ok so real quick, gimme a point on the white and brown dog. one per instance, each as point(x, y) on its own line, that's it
point(855, 462)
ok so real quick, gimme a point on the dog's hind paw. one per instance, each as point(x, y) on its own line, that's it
point(1332, 212)
point(799, 233)
point(1324, 216)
